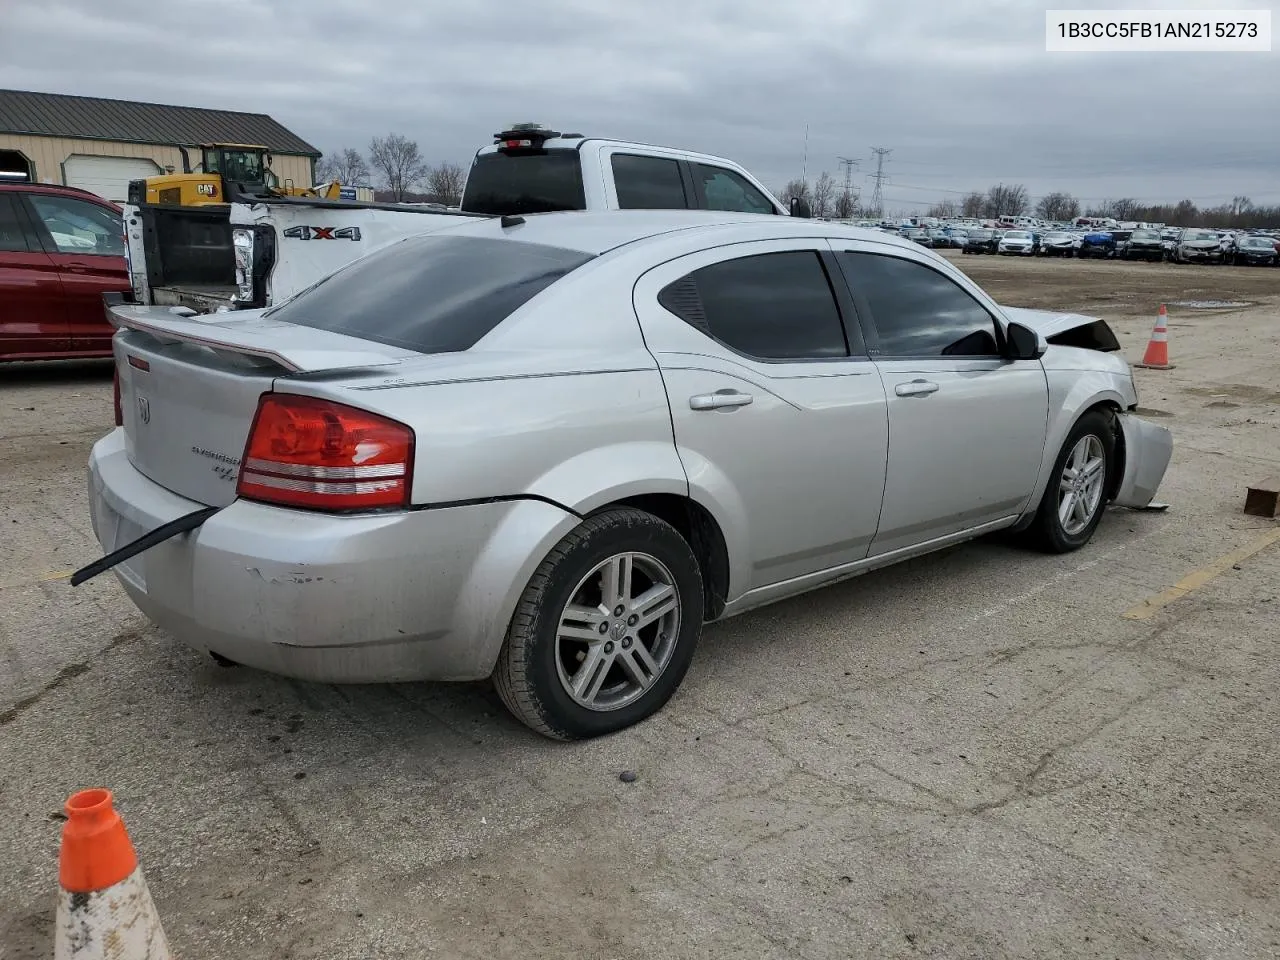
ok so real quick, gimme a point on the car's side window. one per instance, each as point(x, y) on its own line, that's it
point(726, 190)
point(919, 312)
point(772, 306)
point(12, 238)
point(78, 226)
point(648, 183)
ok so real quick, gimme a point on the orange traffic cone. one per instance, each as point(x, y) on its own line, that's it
point(1157, 355)
point(104, 908)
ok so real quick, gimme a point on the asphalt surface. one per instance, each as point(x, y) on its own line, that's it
point(976, 754)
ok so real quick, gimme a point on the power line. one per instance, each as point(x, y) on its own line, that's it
point(877, 196)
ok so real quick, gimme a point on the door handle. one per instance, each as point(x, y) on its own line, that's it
point(719, 400)
point(916, 388)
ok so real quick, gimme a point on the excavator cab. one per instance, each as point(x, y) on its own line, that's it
point(246, 166)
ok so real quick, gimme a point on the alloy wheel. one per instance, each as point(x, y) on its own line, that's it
point(618, 631)
point(1081, 485)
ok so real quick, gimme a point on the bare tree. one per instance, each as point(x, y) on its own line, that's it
point(1058, 206)
point(846, 204)
point(944, 208)
point(1240, 205)
point(346, 166)
point(795, 189)
point(973, 204)
point(1185, 214)
point(1126, 208)
point(1007, 200)
point(824, 192)
point(445, 181)
point(399, 162)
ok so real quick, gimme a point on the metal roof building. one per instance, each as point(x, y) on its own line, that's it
point(102, 144)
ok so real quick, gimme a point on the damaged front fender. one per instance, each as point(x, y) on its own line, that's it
point(1148, 448)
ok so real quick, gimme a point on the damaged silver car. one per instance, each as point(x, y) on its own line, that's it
point(550, 448)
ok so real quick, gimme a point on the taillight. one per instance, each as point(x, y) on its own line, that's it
point(116, 391)
point(307, 452)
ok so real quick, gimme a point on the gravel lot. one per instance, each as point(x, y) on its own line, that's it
point(973, 755)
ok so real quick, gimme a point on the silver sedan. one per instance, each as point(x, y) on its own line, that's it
point(549, 449)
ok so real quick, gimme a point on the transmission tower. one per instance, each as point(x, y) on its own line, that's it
point(848, 196)
point(877, 196)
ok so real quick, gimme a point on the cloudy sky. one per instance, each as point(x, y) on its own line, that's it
point(962, 91)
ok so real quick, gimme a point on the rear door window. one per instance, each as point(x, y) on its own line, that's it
point(648, 183)
point(431, 294)
point(772, 306)
point(723, 189)
point(501, 184)
point(78, 226)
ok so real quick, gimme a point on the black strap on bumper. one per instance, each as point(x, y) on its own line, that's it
point(145, 542)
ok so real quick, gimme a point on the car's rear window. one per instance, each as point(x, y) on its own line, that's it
point(501, 184)
point(432, 294)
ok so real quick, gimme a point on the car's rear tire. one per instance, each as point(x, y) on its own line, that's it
point(605, 630)
point(1077, 487)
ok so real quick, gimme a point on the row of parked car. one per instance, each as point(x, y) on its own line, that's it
point(1175, 245)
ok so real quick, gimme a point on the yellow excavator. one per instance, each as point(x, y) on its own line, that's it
point(225, 170)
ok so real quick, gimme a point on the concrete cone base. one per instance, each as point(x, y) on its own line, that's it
point(119, 923)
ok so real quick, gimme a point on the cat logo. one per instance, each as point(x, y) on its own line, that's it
point(207, 189)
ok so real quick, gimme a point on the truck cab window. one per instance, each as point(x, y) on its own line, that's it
point(725, 190)
point(524, 183)
point(648, 183)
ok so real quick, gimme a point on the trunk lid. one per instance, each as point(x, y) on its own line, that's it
point(189, 387)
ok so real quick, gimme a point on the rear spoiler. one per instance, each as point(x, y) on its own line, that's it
point(172, 325)
point(228, 333)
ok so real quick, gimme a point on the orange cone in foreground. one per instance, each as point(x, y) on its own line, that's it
point(104, 908)
point(1157, 355)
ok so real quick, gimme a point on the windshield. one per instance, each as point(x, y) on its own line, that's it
point(1017, 235)
point(1057, 236)
point(500, 184)
point(980, 234)
point(1262, 242)
point(239, 166)
point(1199, 235)
point(1145, 235)
point(432, 294)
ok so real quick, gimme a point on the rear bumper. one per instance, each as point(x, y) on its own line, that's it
point(415, 595)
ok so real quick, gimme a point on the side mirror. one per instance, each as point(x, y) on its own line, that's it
point(800, 208)
point(1023, 343)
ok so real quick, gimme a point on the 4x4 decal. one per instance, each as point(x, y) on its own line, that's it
point(323, 233)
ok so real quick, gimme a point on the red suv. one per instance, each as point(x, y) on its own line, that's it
point(61, 249)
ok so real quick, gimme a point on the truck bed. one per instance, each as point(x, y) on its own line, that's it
point(201, 297)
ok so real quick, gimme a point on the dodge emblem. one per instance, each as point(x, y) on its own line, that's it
point(144, 409)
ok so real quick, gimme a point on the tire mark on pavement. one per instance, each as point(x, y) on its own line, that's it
point(69, 672)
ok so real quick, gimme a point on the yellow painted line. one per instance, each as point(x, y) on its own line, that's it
point(1149, 607)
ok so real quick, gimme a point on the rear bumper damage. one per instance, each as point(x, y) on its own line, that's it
point(406, 595)
point(1148, 448)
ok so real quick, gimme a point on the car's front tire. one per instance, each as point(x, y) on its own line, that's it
point(1076, 496)
point(605, 630)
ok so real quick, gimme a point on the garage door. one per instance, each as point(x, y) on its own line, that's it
point(107, 176)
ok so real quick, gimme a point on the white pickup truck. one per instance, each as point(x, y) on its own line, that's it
point(268, 249)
